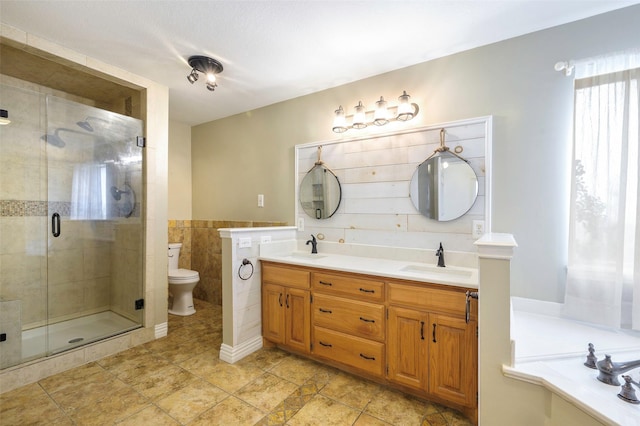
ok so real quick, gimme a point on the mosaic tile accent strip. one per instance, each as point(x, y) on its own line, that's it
point(17, 208)
point(30, 208)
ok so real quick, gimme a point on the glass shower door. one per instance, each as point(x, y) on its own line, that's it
point(95, 236)
point(23, 224)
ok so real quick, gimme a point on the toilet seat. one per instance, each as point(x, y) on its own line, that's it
point(183, 276)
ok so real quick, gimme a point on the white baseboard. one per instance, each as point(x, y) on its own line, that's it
point(232, 354)
point(160, 330)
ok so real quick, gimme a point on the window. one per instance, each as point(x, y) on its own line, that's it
point(603, 280)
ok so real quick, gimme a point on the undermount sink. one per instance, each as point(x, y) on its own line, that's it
point(432, 269)
point(310, 256)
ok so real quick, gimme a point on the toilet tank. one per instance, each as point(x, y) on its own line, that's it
point(174, 255)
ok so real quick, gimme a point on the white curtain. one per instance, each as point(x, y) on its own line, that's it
point(90, 192)
point(603, 281)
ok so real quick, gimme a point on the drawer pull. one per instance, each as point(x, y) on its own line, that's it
point(280, 300)
point(328, 345)
point(434, 333)
point(422, 330)
point(287, 301)
point(367, 320)
point(325, 311)
point(370, 358)
point(325, 283)
point(364, 290)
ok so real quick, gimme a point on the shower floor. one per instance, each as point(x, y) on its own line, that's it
point(69, 334)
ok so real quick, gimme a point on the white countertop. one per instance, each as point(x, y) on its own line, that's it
point(414, 271)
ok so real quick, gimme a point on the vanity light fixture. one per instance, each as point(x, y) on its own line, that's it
point(4, 117)
point(207, 66)
point(382, 114)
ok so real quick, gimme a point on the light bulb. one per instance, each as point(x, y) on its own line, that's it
point(339, 121)
point(359, 117)
point(405, 109)
point(381, 115)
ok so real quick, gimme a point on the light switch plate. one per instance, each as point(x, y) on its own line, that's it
point(300, 224)
point(265, 239)
point(244, 242)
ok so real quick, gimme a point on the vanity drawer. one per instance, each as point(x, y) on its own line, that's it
point(356, 352)
point(361, 288)
point(349, 316)
point(285, 275)
point(429, 298)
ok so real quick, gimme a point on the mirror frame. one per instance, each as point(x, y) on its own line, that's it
point(424, 192)
point(326, 169)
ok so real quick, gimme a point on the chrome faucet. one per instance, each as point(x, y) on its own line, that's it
point(609, 371)
point(440, 254)
point(628, 393)
point(314, 244)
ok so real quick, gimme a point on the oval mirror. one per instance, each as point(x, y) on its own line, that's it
point(443, 187)
point(320, 192)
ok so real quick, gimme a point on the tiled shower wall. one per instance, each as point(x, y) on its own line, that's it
point(45, 277)
point(202, 251)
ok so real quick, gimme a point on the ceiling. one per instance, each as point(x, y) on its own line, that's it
point(278, 50)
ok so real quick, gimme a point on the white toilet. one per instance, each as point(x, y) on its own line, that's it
point(181, 284)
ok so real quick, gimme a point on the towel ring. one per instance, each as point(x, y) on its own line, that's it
point(242, 276)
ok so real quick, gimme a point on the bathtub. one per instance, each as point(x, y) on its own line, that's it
point(549, 350)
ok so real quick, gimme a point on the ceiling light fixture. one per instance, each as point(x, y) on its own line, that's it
point(207, 66)
point(382, 115)
point(4, 117)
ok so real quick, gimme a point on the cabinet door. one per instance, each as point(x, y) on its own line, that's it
point(407, 347)
point(273, 313)
point(298, 319)
point(453, 354)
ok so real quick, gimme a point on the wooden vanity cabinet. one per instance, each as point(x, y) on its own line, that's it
point(407, 347)
point(349, 321)
point(430, 323)
point(414, 336)
point(286, 311)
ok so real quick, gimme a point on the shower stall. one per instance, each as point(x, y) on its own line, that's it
point(71, 225)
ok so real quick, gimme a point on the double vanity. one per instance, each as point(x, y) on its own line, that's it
point(412, 326)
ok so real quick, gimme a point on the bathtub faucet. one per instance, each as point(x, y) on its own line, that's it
point(314, 244)
point(609, 370)
point(440, 254)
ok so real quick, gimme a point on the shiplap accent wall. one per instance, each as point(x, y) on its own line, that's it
point(374, 173)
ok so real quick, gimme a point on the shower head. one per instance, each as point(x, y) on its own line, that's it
point(53, 139)
point(117, 193)
point(85, 125)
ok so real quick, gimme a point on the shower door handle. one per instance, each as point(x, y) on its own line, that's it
point(55, 225)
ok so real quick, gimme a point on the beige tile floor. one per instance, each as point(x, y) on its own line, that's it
point(180, 380)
